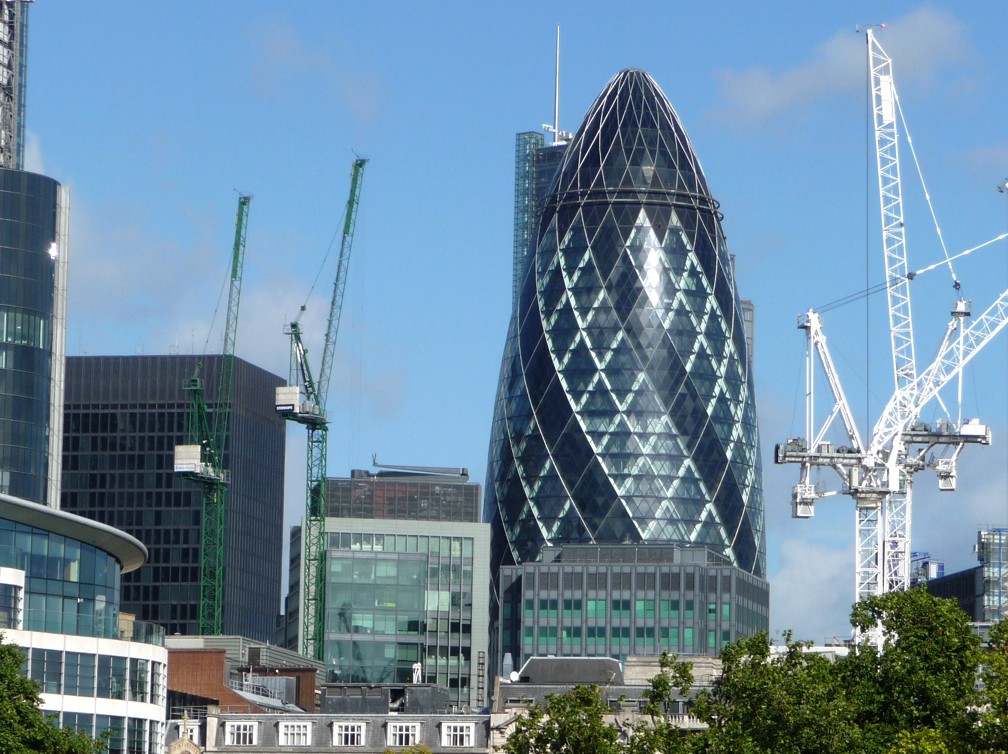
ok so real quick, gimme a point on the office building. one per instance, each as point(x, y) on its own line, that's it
point(33, 264)
point(405, 560)
point(124, 415)
point(625, 412)
point(981, 591)
point(622, 600)
point(99, 670)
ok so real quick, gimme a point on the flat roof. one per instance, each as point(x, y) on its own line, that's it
point(127, 549)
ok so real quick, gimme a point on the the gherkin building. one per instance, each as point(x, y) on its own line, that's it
point(625, 411)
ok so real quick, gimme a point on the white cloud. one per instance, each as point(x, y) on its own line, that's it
point(33, 162)
point(285, 59)
point(812, 589)
point(920, 44)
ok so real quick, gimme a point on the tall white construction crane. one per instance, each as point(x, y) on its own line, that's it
point(878, 473)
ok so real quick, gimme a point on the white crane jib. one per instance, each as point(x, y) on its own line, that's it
point(878, 473)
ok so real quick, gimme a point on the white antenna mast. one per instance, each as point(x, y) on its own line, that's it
point(556, 91)
point(559, 137)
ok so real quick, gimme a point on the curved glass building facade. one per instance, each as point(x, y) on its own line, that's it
point(32, 296)
point(625, 411)
point(98, 670)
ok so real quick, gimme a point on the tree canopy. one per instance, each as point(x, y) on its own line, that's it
point(24, 727)
point(929, 689)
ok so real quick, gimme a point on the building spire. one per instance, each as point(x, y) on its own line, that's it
point(556, 91)
point(559, 137)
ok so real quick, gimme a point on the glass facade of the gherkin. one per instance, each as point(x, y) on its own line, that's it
point(625, 410)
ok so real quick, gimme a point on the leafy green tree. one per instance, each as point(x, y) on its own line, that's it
point(414, 749)
point(570, 723)
point(24, 728)
point(925, 741)
point(915, 696)
point(994, 696)
point(924, 677)
point(791, 702)
point(659, 732)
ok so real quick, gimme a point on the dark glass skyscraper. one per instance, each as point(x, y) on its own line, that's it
point(33, 254)
point(625, 411)
point(124, 417)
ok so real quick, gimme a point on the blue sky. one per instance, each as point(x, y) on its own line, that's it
point(155, 114)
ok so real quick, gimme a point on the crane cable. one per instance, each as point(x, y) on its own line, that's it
point(213, 319)
point(318, 273)
point(879, 287)
point(332, 242)
point(927, 194)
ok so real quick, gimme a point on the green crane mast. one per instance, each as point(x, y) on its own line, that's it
point(304, 401)
point(202, 459)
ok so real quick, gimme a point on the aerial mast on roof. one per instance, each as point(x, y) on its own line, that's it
point(559, 137)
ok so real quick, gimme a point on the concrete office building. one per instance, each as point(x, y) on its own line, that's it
point(625, 412)
point(124, 415)
point(406, 558)
point(622, 600)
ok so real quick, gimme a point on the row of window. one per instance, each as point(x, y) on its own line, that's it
point(101, 676)
point(447, 547)
point(385, 498)
point(459, 735)
point(158, 423)
point(23, 328)
point(644, 638)
point(357, 569)
point(605, 580)
point(121, 735)
point(550, 607)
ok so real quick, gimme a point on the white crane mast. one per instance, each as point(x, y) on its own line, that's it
point(878, 474)
point(894, 537)
point(884, 104)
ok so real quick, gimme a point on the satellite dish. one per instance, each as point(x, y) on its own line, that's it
point(514, 676)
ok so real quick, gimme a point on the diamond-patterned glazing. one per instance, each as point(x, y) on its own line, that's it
point(625, 410)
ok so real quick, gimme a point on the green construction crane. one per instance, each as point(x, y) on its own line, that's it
point(304, 400)
point(202, 459)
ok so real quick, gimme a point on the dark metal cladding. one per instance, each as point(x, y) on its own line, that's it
point(626, 411)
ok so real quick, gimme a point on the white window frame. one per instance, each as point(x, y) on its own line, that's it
point(452, 733)
point(190, 730)
point(400, 734)
point(342, 731)
point(295, 733)
point(241, 733)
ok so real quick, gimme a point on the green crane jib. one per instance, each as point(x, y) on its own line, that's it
point(202, 459)
point(304, 400)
